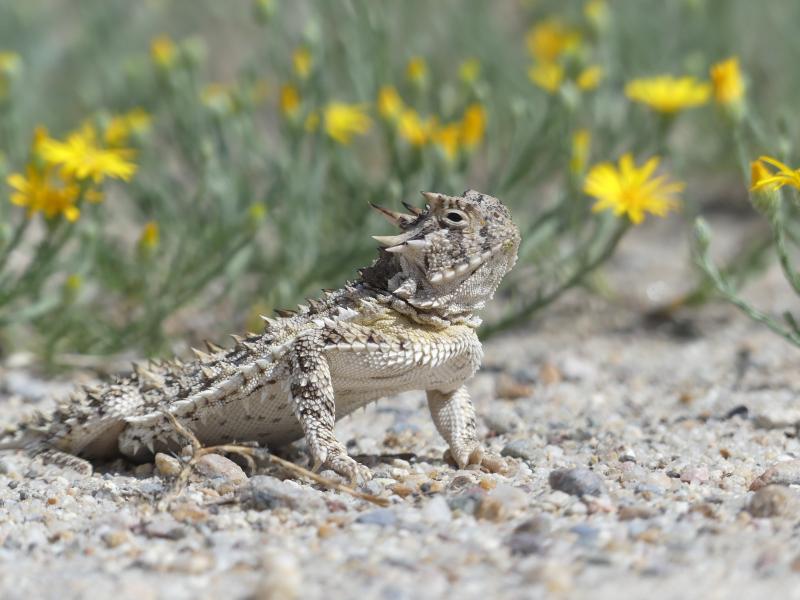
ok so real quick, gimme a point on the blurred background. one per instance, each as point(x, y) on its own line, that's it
point(172, 169)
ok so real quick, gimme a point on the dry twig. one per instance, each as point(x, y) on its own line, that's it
point(251, 455)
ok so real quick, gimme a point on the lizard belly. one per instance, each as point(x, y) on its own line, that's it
point(362, 377)
point(265, 416)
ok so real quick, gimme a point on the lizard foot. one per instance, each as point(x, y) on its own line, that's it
point(347, 467)
point(474, 454)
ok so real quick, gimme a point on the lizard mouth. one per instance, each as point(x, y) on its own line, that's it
point(467, 267)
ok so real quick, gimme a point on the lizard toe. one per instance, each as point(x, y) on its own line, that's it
point(347, 467)
point(467, 454)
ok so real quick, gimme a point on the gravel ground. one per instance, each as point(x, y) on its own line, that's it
point(659, 459)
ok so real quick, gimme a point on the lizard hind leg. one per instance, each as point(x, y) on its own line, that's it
point(312, 401)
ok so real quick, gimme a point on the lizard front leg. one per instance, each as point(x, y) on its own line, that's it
point(454, 416)
point(313, 403)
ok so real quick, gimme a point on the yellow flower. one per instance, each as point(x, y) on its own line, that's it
point(150, 236)
point(448, 138)
point(343, 121)
point(581, 142)
point(765, 188)
point(550, 39)
point(667, 94)
point(163, 51)
point(473, 125)
point(469, 70)
point(630, 190)
point(412, 128)
point(81, 157)
point(290, 100)
point(301, 60)
point(121, 127)
point(589, 78)
point(36, 192)
point(390, 104)
point(417, 70)
point(759, 173)
point(763, 179)
point(726, 80)
point(547, 76)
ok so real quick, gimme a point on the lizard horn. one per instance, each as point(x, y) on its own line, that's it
point(395, 218)
point(433, 198)
point(391, 240)
point(412, 209)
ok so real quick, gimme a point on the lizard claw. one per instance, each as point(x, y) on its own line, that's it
point(345, 466)
point(465, 456)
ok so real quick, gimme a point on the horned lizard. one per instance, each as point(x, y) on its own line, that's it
point(407, 323)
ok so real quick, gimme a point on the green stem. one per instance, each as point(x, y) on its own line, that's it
point(779, 233)
point(14, 242)
point(543, 299)
point(724, 288)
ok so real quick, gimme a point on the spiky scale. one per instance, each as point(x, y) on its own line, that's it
point(203, 356)
point(212, 347)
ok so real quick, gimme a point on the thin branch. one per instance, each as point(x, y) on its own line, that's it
point(251, 454)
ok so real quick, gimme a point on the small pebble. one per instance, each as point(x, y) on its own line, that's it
point(531, 536)
point(436, 511)
point(509, 388)
point(467, 501)
point(502, 419)
point(577, 482)
point(225, 475)
point(774, 501)
point(116, 538)
point(189, 512)
point(166, 465)
point(777, 418)
point(263, 492)
point(549, 374)
point(529, 449)
point(401, 490)
point(694, 475)
point(628, 513)
point(384, 517)
point(282, 578)
point(782, 473)
point(492, 509)
point(164, 526)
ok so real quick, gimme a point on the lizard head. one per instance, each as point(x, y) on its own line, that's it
point(452, 254)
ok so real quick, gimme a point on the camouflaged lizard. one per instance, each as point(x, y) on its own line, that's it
point(407, 323)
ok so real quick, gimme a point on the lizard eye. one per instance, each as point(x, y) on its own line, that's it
point(455, 218)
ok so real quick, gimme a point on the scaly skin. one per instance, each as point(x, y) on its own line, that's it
point(407, 323)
